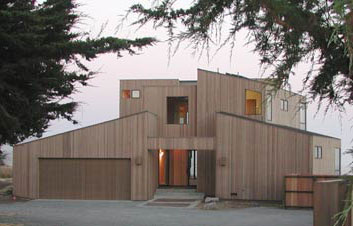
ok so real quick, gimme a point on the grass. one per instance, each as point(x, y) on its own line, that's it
point(5, 172)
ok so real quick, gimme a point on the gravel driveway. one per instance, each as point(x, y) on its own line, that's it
point(99, 213)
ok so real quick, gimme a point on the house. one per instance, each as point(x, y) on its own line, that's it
point(228, 135)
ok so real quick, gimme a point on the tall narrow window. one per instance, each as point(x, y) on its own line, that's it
point(269, 107)
point(284, 105)
point(177, 110)
point(337, 161)
point(318, 152)
point(253, 102)
point(302, 115)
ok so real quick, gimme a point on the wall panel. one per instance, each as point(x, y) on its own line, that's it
point(253, 157)
point(122, 138)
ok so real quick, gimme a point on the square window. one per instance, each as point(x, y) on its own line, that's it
point(177, 110)
point(126, 94)
point(135, 94)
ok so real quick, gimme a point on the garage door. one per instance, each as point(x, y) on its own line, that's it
point(100, 179)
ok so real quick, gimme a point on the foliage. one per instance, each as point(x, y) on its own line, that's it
point(41, 64)
point(285, 32)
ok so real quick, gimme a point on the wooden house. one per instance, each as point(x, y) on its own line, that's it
point(230, 136)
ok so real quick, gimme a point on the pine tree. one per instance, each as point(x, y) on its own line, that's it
point(37, 48)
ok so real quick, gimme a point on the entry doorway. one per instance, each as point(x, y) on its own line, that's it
point(177, 168)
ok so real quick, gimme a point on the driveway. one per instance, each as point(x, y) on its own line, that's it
point(99, 213)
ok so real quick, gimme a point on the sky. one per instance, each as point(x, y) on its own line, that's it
point(100, 101)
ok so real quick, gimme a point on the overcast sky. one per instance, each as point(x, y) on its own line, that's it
point(100, 101)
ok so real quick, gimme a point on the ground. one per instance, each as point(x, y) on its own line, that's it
point(132, 213)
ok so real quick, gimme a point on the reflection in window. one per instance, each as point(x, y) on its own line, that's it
point(177, 110)
point(253, 102)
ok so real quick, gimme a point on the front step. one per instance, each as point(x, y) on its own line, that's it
point(175, 197)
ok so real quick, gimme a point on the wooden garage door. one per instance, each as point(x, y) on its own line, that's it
point(100, 179)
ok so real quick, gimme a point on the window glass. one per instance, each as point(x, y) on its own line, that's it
point(284, 105)
point(135, 94)
point(126, 94)
point(302, 116)
point(177, 110)
point(337, 161)
point(269, 107)
point(253, 102)
point(318, 152)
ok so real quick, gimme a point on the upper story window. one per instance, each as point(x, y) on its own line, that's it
point(337, 161)
point(126, 94)
point(134, 94)
point(302, 116)
point(253, 102)
point(318, 152)
point(269, 107)
point(284, 105)
point(177, 110)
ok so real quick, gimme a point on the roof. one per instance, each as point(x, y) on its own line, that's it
point(276, 125)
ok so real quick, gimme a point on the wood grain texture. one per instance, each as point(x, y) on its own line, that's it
point(257, 156)
point(178, 162)
point(299, 189)
point(325, 165)
point(90, 179)
point(122, 138)
point(189, 143)
point(329, 199)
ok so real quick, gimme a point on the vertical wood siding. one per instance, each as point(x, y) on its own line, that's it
point(121, 138)
point(102, 179)
point(253, 158)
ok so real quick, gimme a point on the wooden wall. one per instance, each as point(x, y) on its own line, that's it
point(122, 138)
point(188, 143)
point(155, 101)
point(132, 106)
point(326, 165)
point(253, 157)
point(330, 198)
point(292, 116)
point(217, 92)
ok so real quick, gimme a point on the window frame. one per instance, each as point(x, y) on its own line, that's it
point(284, 105)
point(261, 107)
point(318, 152)
point(269, 101)
point(134, 90)
point(187, 113)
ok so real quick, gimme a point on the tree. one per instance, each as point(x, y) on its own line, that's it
point(41, 64)
point(285, 33)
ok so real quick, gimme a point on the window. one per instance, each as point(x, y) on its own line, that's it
point(253, 102)
point(135, 94)
point(337, 161)
point(126, 94)
point(302, 115)
point(269, 107)
point(284, 105)
point(318, 152)
point(177, 110)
